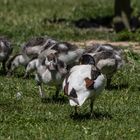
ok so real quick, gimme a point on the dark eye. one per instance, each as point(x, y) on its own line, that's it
point(13, 64)
point(49, 58)
point(54, 59)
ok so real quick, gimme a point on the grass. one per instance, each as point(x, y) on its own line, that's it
point(117, 111)
point(19, 20)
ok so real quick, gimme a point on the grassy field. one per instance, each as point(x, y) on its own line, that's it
point(117, 111)
point(20, 20)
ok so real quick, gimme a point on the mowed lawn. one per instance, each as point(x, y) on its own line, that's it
point(117, 111)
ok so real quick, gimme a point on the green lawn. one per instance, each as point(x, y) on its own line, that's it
point(19, 20)
point(117, 111)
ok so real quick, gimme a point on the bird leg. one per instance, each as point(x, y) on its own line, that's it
point(26, 75)
point(58, 87)
point(91, 107)
point(76, 111)
point(41, 92)
point(4, 67)
point(108, 83)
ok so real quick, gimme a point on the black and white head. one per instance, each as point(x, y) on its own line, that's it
point(51, 60)
point(54, 64)
point(87, 59)
point(49, 43)
point(61, 67)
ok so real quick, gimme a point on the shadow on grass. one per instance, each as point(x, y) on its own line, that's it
point(83, 22)
point(20, 76)
point(58, 100)
point(87, 116)
point(94, 22)
point(105, 22)
point(16, 75)
point(118, 87)
point(31, 76)
point(2, 72)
